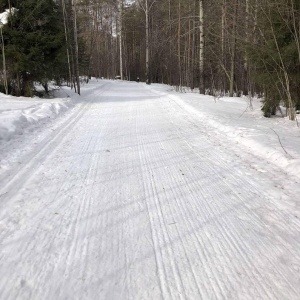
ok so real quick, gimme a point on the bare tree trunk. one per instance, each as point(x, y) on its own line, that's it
point(178, 45)
point(120, 6)
point(76, 46)
point(4, 64)
point(193, 46)
point(223, 30)
point(188, 50)
point(170, 44)
point(147, 42)
point(67, 40)
point(246, 62)
point(146, 7)
point(201, 48)
point(233, 51)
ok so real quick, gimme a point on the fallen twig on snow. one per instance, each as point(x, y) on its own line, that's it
point(281, 143)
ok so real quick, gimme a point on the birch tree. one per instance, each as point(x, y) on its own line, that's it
point(146, 6)
point(120, 34)
point(201, 47)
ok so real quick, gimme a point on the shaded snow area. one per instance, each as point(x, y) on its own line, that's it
point(138, 192)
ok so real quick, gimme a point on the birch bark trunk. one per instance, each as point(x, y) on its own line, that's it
point(201, 48)
point(76, 46)
point(120, 8)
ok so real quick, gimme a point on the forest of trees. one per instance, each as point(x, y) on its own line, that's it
point(220, 47)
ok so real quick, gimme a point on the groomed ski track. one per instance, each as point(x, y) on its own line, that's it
point(134, 197)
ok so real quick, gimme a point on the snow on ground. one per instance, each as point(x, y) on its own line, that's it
point(27, 121)
point(275, 139)
point(15, 121)
point(19, 113)
point(138, 192)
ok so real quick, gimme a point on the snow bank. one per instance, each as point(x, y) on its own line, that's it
point(20, 114)
point(16, 121)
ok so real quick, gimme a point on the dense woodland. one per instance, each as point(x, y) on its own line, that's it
point(218, 47)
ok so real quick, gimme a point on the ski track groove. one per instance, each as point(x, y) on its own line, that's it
point(160, 267)
point(57, 136)
point(226, 236)
point(40, 153)
point(238, 245)
point(31, 243)
point(201, 245)
point(202, 257)
point(242, 200)
point(211, 274)
point(226, 240)
point(255, 216)
point(175, 196)
point(166, 242)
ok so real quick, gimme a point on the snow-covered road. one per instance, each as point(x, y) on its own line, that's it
point(135, 197)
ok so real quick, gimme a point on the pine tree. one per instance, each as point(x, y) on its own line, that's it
point(276, 56)
point(34, 45)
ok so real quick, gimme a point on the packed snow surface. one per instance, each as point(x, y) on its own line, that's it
point(138, 192)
